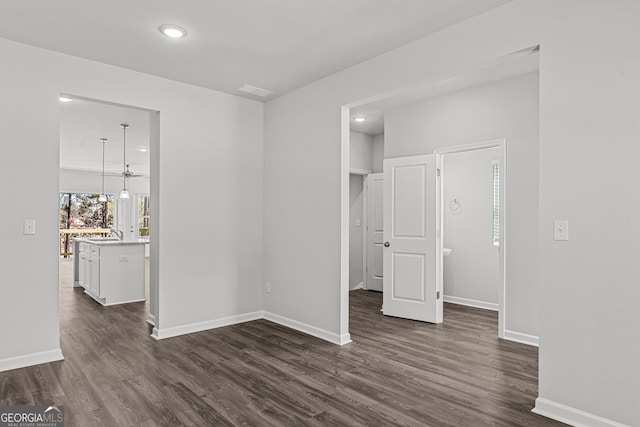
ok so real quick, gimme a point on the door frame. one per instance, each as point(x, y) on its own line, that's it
point(365, 223)
point(364, 173)
point(500, 143)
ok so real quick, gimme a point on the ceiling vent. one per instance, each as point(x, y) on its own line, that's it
point(255, 91)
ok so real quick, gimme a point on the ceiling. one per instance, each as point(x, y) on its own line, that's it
point(83, 123)
point(277, 44)
point(509, 66)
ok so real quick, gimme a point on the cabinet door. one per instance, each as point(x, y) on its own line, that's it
point(82, 269)
point(94, 275)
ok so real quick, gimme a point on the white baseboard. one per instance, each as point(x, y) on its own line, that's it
point(151, 319)
point(358, 286)
point(31, 359)
point(471, 303)
point(572, 416)
point(160, 334)
point(521, 338)
point(308, 329)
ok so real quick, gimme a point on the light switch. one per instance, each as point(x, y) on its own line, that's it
point(29, 226)
point(358, 223)
point(560, 229)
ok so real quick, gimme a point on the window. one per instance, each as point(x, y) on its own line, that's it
point(143, 215)
point(83, 215)
point(496, 202)
point(85, 211)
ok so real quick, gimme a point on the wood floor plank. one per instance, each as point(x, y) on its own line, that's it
point(396, 371)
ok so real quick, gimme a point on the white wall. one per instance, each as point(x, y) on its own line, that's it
point(361, 151)
point(589, 98)
point(209, 149)
point(471, 271)
point(504, 109)
point(378, 152)
point(356, 236)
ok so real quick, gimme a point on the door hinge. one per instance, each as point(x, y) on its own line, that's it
point(438, 234)
point(438, 172)
point(437, 294)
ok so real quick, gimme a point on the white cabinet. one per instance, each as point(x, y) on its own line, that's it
point(111, 272)
point(93, 274)
point(83, 264)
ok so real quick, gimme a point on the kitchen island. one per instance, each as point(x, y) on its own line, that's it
point(110, 270)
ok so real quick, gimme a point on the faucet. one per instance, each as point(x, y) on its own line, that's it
point(118, 233)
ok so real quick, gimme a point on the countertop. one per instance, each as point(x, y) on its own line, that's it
point(110, 242)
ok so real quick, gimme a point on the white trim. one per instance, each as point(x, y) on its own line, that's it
point(308, 329)
point(502, 289)
point(521, 338)
point(365, 225)
point(471, 303)
point(345, 207)
point(359, 171)
point(572, 416)
point(151, 319)
point(365, 231)
point(358, 286)
point(123, 302)
point(31, 359)
point(160, 334)
point(492, 143)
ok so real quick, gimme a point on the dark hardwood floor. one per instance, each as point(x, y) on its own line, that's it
point(396, 372)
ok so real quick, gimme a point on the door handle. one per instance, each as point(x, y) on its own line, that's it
point(386, 244)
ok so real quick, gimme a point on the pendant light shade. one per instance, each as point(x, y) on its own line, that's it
point(124, 194)
point(103, 197)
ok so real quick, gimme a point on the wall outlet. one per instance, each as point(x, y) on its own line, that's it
point(267, 287)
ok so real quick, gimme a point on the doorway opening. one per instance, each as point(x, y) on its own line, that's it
point(106, 194)
point(473, 190)
point(450, 128)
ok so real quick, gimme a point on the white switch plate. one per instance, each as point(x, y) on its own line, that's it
point(267, 287)
point(358, 223)
point(560, 229)
point(29, 226)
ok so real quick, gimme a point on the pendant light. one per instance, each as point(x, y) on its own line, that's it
point(124, 194)
point(103, 197)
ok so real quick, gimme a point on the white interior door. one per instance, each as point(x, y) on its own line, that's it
point(412, 281)
point(375, 224)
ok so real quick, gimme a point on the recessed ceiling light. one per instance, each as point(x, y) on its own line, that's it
point(359, 119)
point(65, 99)
point(173, 31)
